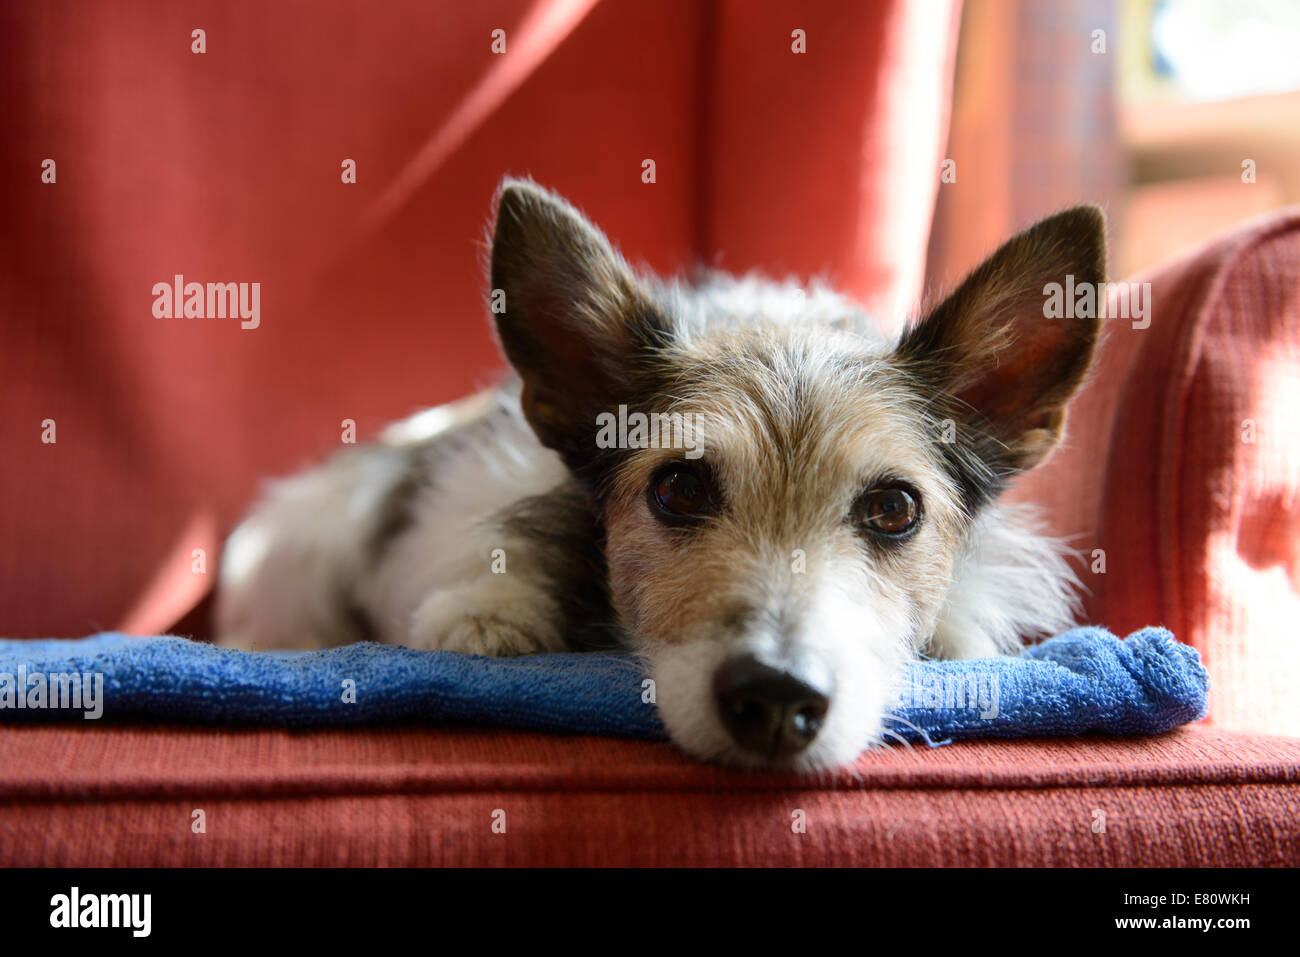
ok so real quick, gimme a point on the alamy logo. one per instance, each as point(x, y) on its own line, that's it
point(941, 688)
point(36, 691)
point(214, 300)
point(75, 909)
point(658, 430)
point(1087, 300)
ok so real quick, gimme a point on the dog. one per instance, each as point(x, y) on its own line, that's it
point(819, 506)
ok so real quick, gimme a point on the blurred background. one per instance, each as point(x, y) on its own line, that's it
point(794, 138)
point(1149, 107)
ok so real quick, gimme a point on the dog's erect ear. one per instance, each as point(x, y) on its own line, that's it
point(1011, 347)
point(575, 321)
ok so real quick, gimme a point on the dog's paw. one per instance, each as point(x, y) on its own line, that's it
point(494, 619)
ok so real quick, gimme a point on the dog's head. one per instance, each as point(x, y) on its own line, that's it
point(785, 523)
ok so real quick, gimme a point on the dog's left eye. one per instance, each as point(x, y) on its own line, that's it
point(680, 493)
point(892, 512)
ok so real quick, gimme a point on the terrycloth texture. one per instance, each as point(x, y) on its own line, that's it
point(1085, 680)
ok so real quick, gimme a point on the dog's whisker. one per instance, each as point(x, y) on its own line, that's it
point(925, 735)
point(902, 740)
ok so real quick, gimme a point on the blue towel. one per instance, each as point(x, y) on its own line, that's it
point(1084, 680)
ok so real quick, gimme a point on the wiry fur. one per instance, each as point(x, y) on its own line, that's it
point(804, 406)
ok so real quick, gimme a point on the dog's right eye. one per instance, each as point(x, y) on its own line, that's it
point(680, 493)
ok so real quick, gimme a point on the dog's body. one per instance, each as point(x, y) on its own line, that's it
point(836, 514)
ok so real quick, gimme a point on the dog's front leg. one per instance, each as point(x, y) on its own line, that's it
point(496, 615)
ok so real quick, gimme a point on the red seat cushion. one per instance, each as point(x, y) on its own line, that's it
point(125, 795)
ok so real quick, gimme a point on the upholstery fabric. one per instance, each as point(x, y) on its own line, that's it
point(225, 166)
point(126, 795)
point(1182, 465)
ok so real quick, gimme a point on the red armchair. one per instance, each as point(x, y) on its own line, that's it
point(225, 165)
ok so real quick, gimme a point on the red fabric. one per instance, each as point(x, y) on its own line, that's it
point(125, 795)
point(1183, 466)
point(225, 166)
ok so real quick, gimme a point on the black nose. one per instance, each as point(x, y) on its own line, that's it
point(767, 710)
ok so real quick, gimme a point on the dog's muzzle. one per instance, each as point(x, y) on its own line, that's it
point(770, 711)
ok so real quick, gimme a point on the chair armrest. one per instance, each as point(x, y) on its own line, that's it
point(1180, 476)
